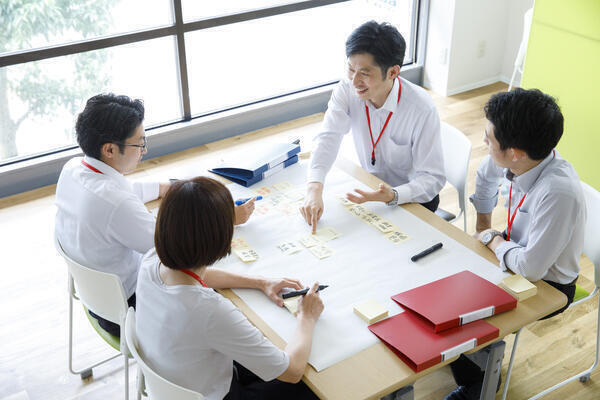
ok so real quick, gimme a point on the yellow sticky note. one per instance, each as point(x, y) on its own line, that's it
point(288, 248)
point(246, 255)
point(357, 210)
point(345, 202)
point(518, 287)
point(310, 241)
point(371, 311)
point(327, 234)
point(397, 237)
point(321, 251)
point(384, 226)
point(292, 304)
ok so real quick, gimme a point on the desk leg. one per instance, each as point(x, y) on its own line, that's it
point(405, 393)
point(492, 370)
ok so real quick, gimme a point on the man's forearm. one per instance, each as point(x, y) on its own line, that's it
point(484, 221)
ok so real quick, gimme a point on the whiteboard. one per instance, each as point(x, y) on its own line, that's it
point(365, 264)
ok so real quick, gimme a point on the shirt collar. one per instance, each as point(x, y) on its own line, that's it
point(391, 102)
point(527, 180)
point(107, 170)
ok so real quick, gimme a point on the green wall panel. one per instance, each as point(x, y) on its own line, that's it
point(563, 60)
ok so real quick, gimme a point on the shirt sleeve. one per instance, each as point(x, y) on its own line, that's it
point(230, 333)
point(132, 225)
point(146, 191)
point(428, 163)
point(548, 237)
point(488, 178)
point(327, 142)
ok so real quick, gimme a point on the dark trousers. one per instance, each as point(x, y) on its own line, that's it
point(109, 326)
point(246, 385)
point(467, 373)
point(433, 204)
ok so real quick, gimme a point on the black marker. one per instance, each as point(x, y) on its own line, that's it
point(302, 292)
point(430, 250)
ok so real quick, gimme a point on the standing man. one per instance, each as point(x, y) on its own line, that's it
point(102, 221)
point(546, 208)
point(394, 123)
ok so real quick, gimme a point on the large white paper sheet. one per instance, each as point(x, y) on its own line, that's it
point(365, 265)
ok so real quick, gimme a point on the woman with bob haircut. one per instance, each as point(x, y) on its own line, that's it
point(192, 335)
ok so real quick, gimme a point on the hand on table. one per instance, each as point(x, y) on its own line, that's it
point(272, 287)
point(312, 210)
point(384, 194)
point(310, 305)
point(243, 212)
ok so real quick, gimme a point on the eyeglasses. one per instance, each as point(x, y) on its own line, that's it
point(142, 146)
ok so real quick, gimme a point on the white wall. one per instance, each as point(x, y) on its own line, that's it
point(514, 34)
point(437, 54)
point(472, 43)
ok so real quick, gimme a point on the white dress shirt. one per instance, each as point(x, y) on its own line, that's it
point(546, 238)
point(191, 334)
point(409, 153)
point(101, 221)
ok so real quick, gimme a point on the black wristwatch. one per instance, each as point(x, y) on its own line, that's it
point(489, 236)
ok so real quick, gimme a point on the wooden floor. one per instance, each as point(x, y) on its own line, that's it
point(33, 288)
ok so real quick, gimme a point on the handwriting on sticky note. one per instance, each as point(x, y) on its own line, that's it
point(385, 226)
point(243, 250)
point(289, 247)
point(345, 202)
point(357, 210)
point(309, 241)
point(321, 251)
point(246, 255)
point(397, 237)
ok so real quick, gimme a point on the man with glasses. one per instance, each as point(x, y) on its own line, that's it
point(102, 221)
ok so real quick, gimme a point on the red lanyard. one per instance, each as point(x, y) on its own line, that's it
point(90, 167)
point(510, 220)
point(193, 275)
point(374, 143)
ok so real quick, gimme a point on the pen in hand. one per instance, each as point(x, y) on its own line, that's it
point(301, 292)
point(242, 201)
point(425, 252)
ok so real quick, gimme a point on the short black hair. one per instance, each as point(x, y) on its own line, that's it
point(107, 118)
point(529, 120)
point(194, 226)
point(382, 41)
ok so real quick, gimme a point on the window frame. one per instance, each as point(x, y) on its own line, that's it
point(32, 171)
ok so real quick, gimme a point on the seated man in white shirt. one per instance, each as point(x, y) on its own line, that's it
point(546, 207)
point(394, 123)
point(102, 221)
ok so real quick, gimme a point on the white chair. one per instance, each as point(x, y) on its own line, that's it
point(157, 387)
point(457, 152)
point(104, 294)
point(591, 248)
point(520, 59)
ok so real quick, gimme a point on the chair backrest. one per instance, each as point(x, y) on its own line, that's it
point(157, 386)
point(591, 241)
point(457, 152)
point(100, 292)
point(519, 60)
